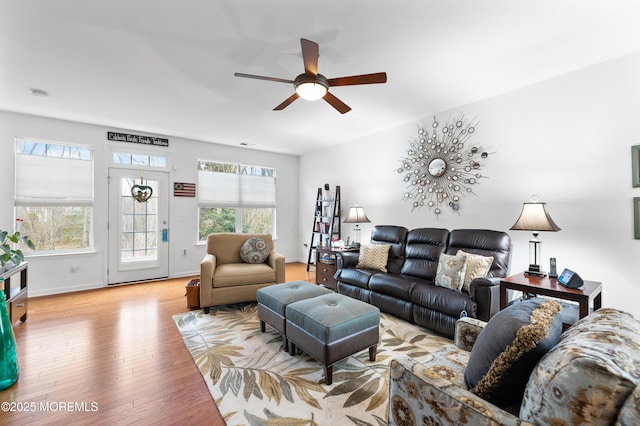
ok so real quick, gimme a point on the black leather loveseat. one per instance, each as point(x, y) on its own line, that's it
point(408, 291)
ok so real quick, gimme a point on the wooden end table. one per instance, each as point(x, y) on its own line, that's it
point(15, 292)
point(545, 286)
point(326, 266)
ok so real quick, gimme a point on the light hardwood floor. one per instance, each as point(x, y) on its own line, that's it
point(110, 356)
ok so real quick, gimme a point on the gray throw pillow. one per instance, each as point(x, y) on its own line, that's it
point(255, 250)
point(509, 347)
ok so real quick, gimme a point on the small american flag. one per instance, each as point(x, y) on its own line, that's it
point(181, 189)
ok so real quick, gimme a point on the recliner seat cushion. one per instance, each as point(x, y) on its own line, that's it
point(399, 286)
point(357, 277)
point(237, 274)
point(440, 299)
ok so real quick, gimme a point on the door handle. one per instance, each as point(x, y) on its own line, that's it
point(165, 235)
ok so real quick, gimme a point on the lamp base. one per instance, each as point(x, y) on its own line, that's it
point(534, 270)
point(536, 273)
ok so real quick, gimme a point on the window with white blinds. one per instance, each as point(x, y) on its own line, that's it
point(54, 193)
point(235, 198)
point(235, 185)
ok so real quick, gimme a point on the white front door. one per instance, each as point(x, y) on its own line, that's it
point(138, 231)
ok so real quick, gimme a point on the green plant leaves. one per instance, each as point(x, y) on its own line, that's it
point(10, 254)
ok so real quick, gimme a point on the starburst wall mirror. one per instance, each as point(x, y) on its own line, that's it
point(441, 166)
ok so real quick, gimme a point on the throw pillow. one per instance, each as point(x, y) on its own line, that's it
point(374, 256)
point(509, 347)
point(477, 266)
point(255, 250)
point(451, 270)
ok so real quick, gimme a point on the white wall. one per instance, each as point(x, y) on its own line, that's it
point(567, 140)
point(53, 274)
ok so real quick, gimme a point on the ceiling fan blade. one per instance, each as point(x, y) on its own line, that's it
point(260, 77)
point(310, 54)
point(287, 102)
point(378, 77)
point(336, 103)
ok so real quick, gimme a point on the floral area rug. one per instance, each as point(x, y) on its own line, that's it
point(253, 381)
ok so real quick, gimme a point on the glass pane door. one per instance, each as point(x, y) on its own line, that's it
point(138, 226)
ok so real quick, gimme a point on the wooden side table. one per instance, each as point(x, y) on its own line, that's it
point(326, 265)
point(15, 292)
point(590, 292)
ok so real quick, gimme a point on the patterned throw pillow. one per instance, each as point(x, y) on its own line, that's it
point(477, 266)
point(509, 347)
point(451, 270)
point(255, 250)
point(374, 256)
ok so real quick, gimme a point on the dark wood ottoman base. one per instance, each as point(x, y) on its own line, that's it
point(316, 333)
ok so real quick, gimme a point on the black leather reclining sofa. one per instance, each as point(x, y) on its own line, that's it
point(408, 291)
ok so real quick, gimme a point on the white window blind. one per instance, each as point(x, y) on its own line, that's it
point(229, 189)
point(43, 180)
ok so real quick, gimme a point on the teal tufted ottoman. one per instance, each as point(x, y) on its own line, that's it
point(273, 300)
point(332, 327)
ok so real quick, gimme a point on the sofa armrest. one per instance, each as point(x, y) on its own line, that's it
point(467, 331)
point(276, 262)
point(347, 259)
point(415, 398)
point(207, 266)
point(486, 293)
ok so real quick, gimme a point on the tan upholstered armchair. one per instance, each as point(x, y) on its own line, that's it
point(226, 278)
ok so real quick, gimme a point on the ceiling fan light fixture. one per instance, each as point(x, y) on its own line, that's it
point(311, 88)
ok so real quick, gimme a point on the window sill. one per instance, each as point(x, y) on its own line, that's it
point(56, 254)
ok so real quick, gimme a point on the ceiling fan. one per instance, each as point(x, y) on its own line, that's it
point(311, 85)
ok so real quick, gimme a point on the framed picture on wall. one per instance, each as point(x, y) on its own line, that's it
point(636, 218)
point(635, 165)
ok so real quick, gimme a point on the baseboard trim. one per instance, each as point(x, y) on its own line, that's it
point(61, 290)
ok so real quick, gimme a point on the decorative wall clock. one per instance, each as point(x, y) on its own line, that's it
point(441, 167)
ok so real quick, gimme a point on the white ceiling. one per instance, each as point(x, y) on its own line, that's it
point(166, 67)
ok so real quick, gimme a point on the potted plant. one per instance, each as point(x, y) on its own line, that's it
point(8, 254)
